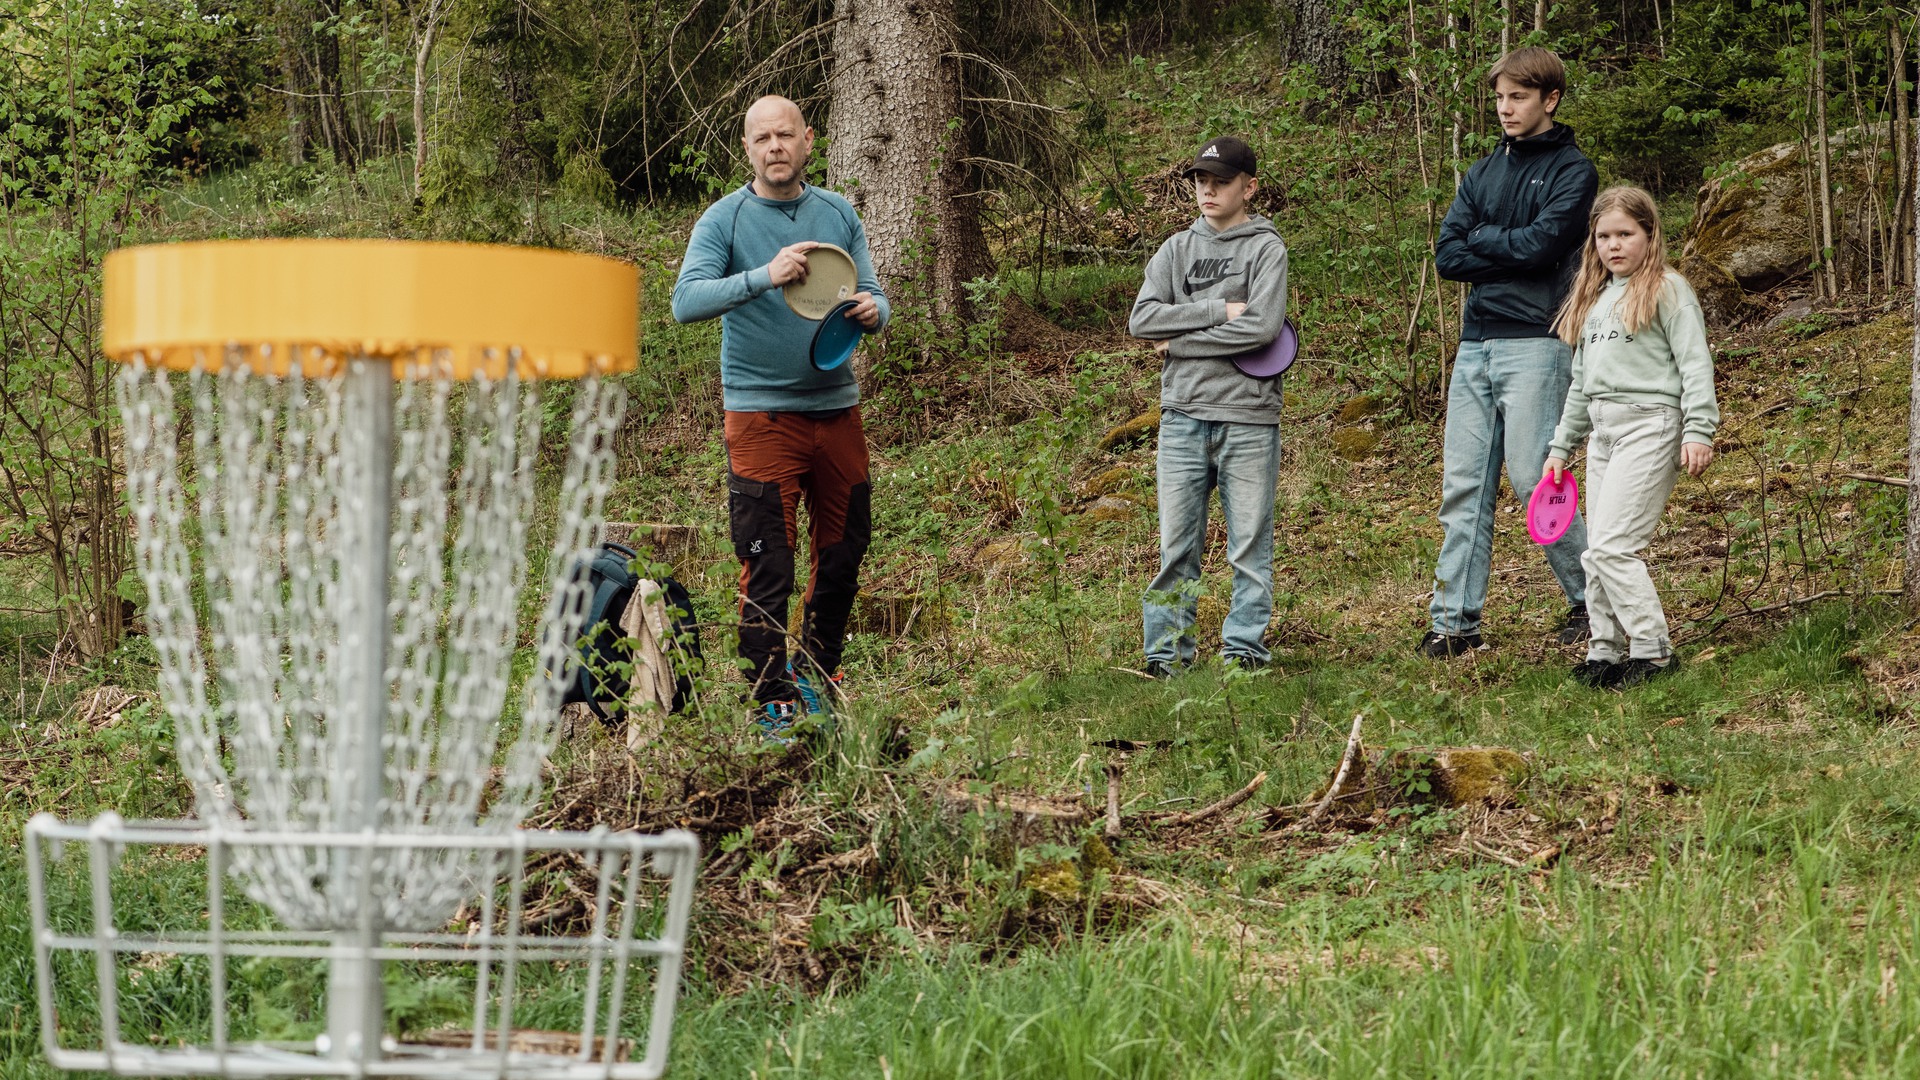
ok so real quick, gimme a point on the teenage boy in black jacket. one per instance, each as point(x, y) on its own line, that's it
point(1514, 232)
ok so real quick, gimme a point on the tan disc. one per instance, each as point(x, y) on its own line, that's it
point(831, 278)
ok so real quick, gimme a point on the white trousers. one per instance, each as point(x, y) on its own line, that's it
point(1633, 461)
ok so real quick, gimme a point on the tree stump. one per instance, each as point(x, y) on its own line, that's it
point(675, 545)
point(916, 616)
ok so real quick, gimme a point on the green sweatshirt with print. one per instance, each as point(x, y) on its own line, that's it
point(1666, 362)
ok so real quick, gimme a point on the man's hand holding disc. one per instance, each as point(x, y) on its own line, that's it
point(865, 310)
point(791, 264)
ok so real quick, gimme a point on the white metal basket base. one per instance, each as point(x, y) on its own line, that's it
point(643, 891)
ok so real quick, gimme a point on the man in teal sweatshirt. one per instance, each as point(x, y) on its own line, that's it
point(793, 433)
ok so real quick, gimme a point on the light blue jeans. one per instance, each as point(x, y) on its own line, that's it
point(1503, 403)
point(1243, 462)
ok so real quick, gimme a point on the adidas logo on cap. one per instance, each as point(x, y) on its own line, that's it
point(1225, 156)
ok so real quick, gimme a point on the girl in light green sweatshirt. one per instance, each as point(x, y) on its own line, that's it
point(1642, 396)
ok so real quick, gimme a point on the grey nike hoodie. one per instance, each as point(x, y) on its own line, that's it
point(1184, 300)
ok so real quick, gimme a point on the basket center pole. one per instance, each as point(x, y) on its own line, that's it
point(356, 1016)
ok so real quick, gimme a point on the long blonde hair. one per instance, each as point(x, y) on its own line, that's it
point(1643, 288)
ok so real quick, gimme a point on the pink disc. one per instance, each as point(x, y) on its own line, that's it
point(1552, 508)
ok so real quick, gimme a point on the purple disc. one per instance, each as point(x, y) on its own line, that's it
point(1269, 360)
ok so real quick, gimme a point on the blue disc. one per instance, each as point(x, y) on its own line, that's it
point(836, 338)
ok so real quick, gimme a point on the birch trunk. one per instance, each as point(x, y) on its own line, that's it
point(1828, 274)
point(423, 51)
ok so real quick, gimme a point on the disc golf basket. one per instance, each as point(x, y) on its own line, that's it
point(364, 420)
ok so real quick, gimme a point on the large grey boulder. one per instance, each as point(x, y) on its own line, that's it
point(1754, 227)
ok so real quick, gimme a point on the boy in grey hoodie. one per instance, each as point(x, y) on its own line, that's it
point(1214, 291)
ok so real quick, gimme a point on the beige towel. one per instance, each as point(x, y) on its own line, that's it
point(651, 696)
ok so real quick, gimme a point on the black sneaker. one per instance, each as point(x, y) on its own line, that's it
point(1160, 669)
point(1236, 661)
point(1576, 627)
point(1439, 646)
point(1597, 673)
point(1640, 672)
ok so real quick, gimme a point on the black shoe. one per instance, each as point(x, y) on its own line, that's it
point(1597, 673)
point(1160, 669)
point(1640, 672)
point(1439, 646)
point(1576, 627)
point(1242, 663)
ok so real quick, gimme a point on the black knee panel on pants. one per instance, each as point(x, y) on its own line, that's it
point(838, 581)
point(755, 517)
point(840, 563)
point(760, 541)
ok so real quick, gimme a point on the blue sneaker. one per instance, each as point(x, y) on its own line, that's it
point(818, 699)
point(775, 721)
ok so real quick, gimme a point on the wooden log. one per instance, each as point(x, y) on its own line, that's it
point(523, 1041)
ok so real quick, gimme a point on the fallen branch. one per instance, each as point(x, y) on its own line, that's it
point(1869, 478)
point(1797, 601)
point(1032, 806)
point(859, 856)
point(1218, 808)
point(1339, 778)
point(1534, 861)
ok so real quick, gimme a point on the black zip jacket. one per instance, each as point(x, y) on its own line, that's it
point(1515, 231)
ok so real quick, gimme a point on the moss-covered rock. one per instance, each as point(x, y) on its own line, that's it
point(1144, 426)
point(1095, 855)
point(1056, 881)
point(1354, 410)
point(1355, 443)
point(1112, 508)
point(1455, 775)
point(1448, 777)
point(1112, 481)
point(1000, 555)
point(1752, 224)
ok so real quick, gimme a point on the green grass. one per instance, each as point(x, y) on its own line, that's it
point(1723, 963)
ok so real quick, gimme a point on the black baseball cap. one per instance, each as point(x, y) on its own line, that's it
point(1226, 158)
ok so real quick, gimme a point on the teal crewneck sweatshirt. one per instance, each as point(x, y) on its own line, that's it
point(763, 345)
point(1666, 362)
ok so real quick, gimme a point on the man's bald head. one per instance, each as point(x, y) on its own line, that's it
point(773, 106)
point(778, 143)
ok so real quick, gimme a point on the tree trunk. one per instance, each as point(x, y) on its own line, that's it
point(1911, 584)
point(427, 30)
point(1828, 274)
point(1905, 171)
point(288, 18)
point(897, 145)
point(325, 43)
point(1314, 38)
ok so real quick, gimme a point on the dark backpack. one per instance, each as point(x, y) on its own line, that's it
point(596, 681)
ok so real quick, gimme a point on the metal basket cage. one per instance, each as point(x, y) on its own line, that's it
point(637, 921)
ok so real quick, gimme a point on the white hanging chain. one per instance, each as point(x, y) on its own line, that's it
point(283, 468)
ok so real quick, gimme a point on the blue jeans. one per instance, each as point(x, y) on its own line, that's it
point(1243, 462)
point(1503, 403)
